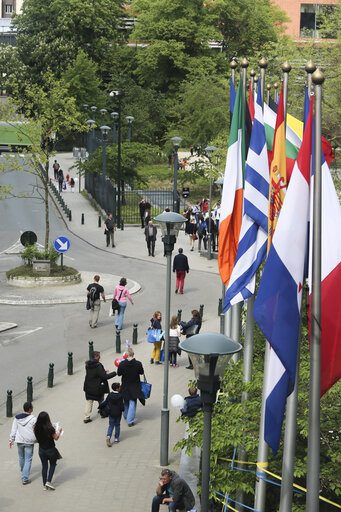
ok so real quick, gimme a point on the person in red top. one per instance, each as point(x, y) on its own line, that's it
point(121, 293)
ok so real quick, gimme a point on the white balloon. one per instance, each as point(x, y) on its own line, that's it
point(177, 401)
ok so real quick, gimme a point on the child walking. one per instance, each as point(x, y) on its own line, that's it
point(174, 339)
point(116, 407)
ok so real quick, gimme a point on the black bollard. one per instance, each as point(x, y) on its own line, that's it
point(179, 315)
point(118, 342)
point(222, 323)
point(135, 334)
point(9, 404)
point(99, 221)
point(50, 376)
point(82, 221)
point(29, 389)
point(91, 349)
point(122, 225)
point(70, 216)
point(220, 306)
point(69, 364)
point(201, 311)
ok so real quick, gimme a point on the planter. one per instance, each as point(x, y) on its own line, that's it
point(38, 282)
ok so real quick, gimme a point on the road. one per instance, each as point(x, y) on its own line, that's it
point(46, 333)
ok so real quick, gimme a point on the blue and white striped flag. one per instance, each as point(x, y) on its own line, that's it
point(253, 234)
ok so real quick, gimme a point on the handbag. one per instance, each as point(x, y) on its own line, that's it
point(58, 454)
point(153, 335)
point(192, 330)
point(162, 355)
point(146, 387)
point(115, 305)
point(194, 236)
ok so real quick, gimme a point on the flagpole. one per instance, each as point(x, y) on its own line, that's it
point(276, 93)
point(263, 448)
point(263, 64)
point(286, 67)
point(233, 66)
point(313, 461)
point(268, 88)
point(255, 85)
point(310, 68)
point(252, 78)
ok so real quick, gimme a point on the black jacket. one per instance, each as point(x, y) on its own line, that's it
point(95, 383)
point(130, 370)
point(180, 262)
point(181, 491)
point(115, 404)
point(192, 405)
point(193, 321)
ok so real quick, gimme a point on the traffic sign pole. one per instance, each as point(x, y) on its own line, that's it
point(61, 261)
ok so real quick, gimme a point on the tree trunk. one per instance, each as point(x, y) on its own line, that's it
point(46, 201)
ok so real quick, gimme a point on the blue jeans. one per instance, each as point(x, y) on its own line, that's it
point(25, 452)
point(129, 410)
point(114, 422)
point(47, 456)
point(120, 315)
point(173, 505)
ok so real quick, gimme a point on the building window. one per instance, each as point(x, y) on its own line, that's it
point(8, 8)
point(309, 23)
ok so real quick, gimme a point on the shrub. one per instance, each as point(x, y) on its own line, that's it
point(32, 252)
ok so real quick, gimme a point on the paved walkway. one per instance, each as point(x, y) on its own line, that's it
point(90, 475)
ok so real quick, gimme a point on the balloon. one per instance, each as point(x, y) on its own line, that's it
point(125, 355)
point(117, 362)
point(177, 401)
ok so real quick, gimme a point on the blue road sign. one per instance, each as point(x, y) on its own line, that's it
point(61, 244)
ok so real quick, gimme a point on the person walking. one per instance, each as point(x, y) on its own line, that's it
point(121, 293)
point(174, 339)
point(142, 207)
point(181, 267)
point(94, 291)
point(156, 324)
point(109, 230)
point(202, 234)
point(46, 436)
point(22, 433)
point(60, 180)
point(192, 230)
point(55, 167)
point(190, 329)
point(130, 370)
point(150, 232)
point(72, 185)
point(115, 405)
point(95, 383)
point(174, 492)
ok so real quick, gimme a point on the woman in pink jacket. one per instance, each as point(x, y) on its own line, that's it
point(121, 293)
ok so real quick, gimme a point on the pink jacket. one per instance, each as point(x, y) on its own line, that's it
point(122, 297)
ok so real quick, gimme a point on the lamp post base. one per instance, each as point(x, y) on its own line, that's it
point(164, 437)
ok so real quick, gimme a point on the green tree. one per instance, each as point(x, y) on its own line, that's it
point(51, 32)
point(43, 115)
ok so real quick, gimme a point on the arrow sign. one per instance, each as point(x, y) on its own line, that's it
point(61, 244)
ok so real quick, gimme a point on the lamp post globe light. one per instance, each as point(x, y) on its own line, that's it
point(103, 111)
point(93, 109)
point(129, 119)
point(209, 151)
point(114, 115)
point(209, 352)
point(170, 224)
point(176, 142)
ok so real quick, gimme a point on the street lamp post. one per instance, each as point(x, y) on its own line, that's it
point(118, 94)
point(176, 142)
point(210, 150)
point(114, 115)
point(209, 353)
point(129, 119)
point(105, 130)
point(91, 134)
point(170, 224)
point(103, 111)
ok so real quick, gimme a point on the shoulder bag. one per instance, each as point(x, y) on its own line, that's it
point(146, 387)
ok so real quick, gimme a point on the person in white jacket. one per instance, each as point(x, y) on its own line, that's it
point(22, 433)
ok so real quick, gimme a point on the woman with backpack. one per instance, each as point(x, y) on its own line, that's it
point(121, 294)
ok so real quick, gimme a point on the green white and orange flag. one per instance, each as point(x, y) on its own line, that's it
point(232, 195)
point(278, 174)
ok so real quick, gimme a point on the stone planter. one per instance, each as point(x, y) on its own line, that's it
point(38, 282)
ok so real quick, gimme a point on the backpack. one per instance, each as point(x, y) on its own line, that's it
point(56, 166)
point(92, 295)
point(104, 409)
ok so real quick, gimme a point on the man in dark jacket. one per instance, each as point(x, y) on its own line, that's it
point(150, 233)
point(192, 403)
point(180, 266)
point(172, 491)
point(95, 383)
point(130, 370)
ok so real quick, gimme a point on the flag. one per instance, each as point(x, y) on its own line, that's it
point(232, 97)
point(253, 234)
point(232, 195)
point(278, 175)
point(278, 302)
point(251, 104)
point(331, 281)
